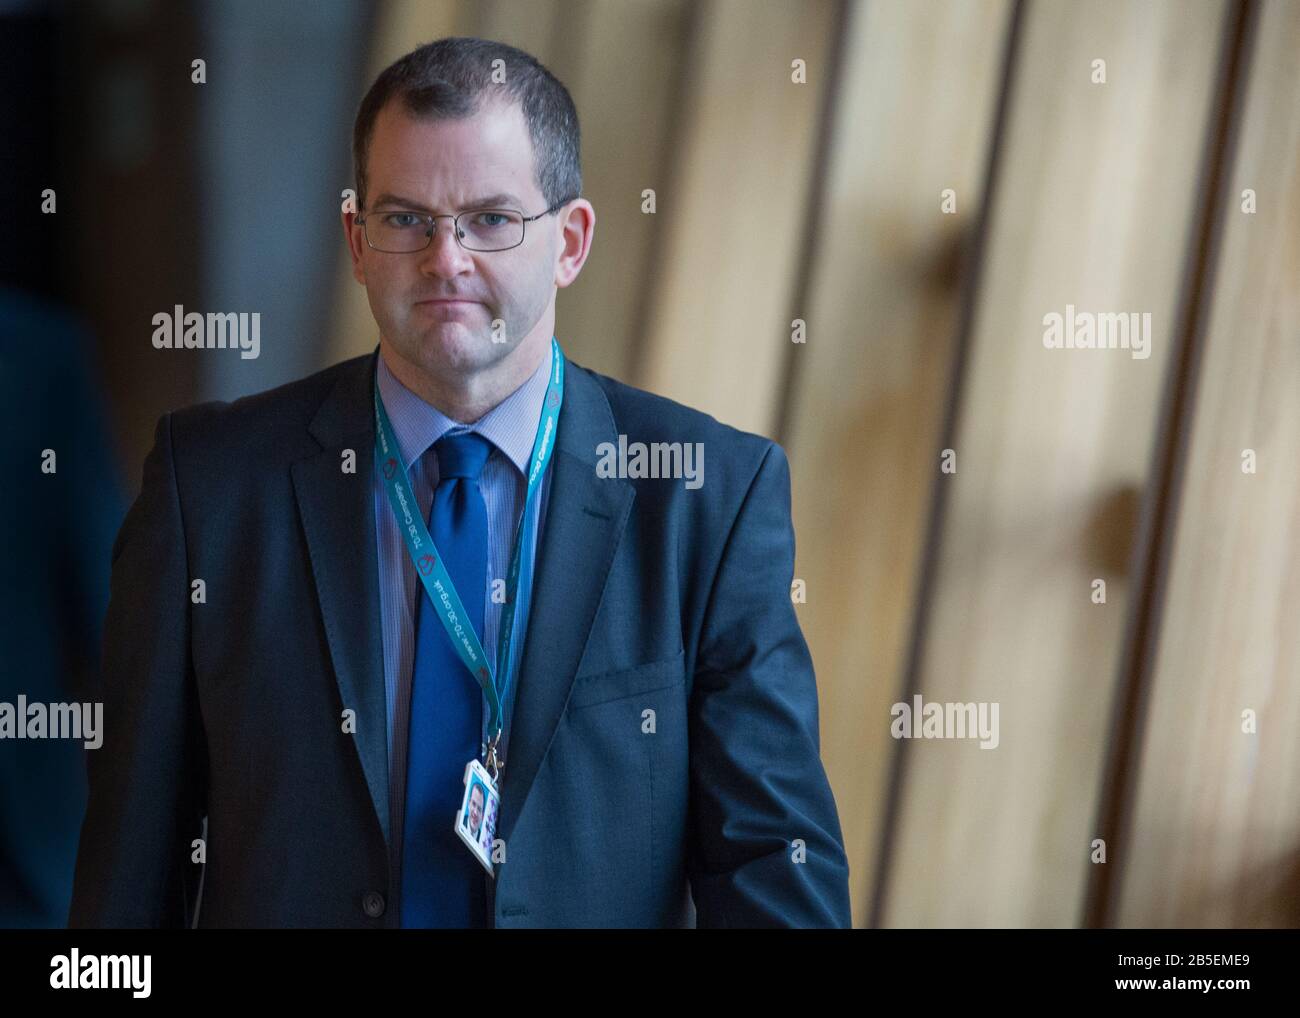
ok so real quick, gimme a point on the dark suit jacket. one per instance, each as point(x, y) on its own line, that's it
point(648, 597)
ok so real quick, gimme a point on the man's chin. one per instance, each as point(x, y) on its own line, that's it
point(455, 347)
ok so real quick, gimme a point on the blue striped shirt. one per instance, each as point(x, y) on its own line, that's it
point(511, 427)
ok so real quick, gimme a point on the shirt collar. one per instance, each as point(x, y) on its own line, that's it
point(511, 425)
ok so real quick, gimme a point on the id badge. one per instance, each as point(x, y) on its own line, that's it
point(476, 820)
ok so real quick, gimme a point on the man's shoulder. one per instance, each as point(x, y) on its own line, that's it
point(279, 414)
point(684, 464)
point(277, 420)
point(297, 399)
point(647, 416)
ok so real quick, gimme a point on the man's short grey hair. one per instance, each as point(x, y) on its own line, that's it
point(451, 79)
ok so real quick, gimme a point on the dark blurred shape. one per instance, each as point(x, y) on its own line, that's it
point(53, 591)
point(29, 95)
point(1112, 529)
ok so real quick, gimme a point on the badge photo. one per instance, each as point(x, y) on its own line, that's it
point(476, 820)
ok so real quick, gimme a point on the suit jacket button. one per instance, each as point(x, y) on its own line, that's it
point(373, 904)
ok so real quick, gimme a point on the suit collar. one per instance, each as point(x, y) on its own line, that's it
point(337, 510)
point(585, 519)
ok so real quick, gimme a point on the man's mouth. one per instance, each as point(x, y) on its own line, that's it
point(447, 306)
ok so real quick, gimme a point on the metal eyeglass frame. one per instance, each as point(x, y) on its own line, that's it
point(432, 218)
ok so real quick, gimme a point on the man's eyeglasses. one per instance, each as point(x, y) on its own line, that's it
point(399, 231)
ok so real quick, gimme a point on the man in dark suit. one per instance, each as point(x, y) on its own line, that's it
point(280, 656)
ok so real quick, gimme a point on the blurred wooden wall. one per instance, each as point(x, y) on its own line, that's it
point(821, 202)
point(869, 384)
point(1215, 836)
point(1093, 191)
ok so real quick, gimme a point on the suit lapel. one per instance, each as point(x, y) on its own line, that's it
point(338, 519)
point(585, 518)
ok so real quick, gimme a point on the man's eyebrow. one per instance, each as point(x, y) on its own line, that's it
point(486, 202)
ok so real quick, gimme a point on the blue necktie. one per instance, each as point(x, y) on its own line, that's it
point(443, 885)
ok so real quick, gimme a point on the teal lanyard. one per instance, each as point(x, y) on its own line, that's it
point(428, 563)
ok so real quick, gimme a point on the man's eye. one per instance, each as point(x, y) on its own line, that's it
point(402, 220)
point(491, 219)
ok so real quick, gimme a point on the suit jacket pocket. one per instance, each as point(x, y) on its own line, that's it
point(602, 687)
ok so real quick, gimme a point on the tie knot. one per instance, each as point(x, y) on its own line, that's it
point(462, 455)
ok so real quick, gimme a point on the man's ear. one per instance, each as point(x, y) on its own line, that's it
point(575, 236)
point(354, 237)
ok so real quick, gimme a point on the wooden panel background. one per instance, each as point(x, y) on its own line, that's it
point(1215, 838)
point(872, 375)
point(717, 327)
point(1092, 210)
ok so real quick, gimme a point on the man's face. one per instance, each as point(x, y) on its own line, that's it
point(441, 166)
point(475, 808)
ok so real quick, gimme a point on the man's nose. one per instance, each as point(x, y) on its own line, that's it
point(444, 256)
